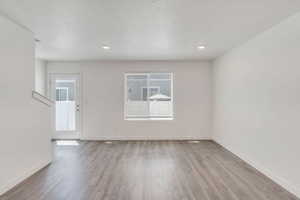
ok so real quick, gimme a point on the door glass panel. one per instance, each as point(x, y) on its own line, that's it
point(65, 119)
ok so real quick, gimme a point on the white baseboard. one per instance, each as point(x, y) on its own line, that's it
point(279, 180)
point(19, 178)
point(103, 138)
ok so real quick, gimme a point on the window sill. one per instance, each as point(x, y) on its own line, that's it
point(150, 119)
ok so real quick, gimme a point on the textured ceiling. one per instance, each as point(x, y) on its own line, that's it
point(144, 29)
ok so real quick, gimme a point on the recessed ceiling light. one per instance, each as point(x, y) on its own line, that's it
point(106, 47)
point(201, 47)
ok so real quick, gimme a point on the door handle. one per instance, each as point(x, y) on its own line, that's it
point(77, 107)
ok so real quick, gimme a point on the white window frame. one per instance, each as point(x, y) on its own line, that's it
point(137, 118)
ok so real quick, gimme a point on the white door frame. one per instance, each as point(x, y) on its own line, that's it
point(66, 134)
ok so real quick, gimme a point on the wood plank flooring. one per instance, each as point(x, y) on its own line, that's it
point(147, 171)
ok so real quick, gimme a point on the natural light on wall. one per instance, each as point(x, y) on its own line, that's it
point(148, 96)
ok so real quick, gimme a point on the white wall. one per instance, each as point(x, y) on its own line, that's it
point(103, 100)
point(40, 76)
point(257, 102)
point(25, 129)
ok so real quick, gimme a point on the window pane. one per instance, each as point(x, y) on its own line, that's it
point(137, 104)
point(161, 102)
point(61, 94)
point(160, 76)
point(65, 105)
point(65, 90)
point(152, 91)
point(149, 95)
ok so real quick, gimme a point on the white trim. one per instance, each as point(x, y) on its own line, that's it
point(66, 135)
point(149, 118)
point(279, 180)
point(21, 177)
point(152, 79)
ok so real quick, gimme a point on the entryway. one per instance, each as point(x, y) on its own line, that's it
point(65, 91)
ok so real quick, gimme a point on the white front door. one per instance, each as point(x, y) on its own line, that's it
point(65, 91)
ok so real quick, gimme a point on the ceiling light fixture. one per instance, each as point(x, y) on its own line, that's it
point(106, 47)
point(201, 47)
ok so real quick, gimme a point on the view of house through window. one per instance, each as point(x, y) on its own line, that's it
point(149, 96)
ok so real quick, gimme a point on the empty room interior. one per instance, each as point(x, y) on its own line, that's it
point(150, 100)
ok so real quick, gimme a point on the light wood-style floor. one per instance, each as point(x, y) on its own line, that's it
point(147, 171)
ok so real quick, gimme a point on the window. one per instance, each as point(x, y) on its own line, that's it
point(152, 91)
point(148, 96)
point(62, 93)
